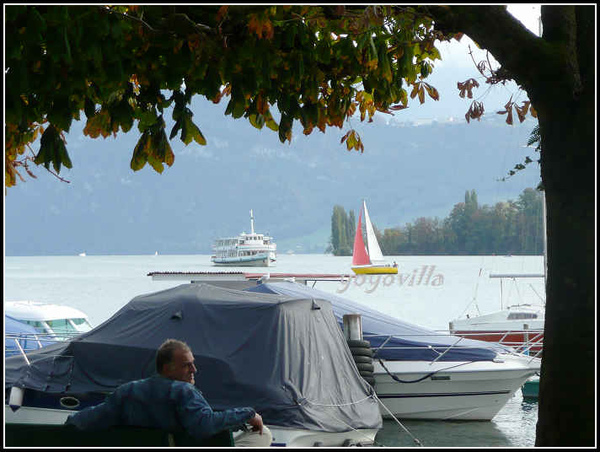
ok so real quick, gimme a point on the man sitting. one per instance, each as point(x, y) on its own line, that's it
point(170, 401)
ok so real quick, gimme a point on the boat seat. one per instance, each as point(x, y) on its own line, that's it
point(27, 435)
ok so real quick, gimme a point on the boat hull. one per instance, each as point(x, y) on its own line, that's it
point(282, 436)
point(375, 270)
point(259, 261)
point(456, 391)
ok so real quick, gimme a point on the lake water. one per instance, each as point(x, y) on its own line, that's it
point(428, 291)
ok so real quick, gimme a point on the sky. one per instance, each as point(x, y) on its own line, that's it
point(457, 65)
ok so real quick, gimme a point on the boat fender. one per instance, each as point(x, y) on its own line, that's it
point(363, 358)
point(15, 399)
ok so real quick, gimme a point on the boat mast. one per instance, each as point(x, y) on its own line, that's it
point(251, 222)
point(545, 237)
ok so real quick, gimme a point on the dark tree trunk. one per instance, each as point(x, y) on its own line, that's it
point(567, 384)
point(558, 73)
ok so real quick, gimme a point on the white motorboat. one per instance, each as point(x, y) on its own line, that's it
point(245, 250)
point(288, 374)
point(520, 326)
point(50, 321)
point(455, 390)
point(423, 374)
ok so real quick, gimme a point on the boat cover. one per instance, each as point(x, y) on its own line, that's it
point(284, 356)
point(391, 338)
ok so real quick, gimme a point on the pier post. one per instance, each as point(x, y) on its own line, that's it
point(352, 327)
point(526, 338)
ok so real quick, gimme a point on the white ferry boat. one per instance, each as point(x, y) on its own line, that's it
point(245, 250)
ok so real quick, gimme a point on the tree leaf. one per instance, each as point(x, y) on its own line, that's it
point(140, 153)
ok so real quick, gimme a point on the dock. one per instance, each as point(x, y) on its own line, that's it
point(247, 279)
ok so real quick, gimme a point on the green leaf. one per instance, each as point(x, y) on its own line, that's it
point(140, 153)
point(270, 122)
point(192, 132)
point(63, 154)
point(52, 150)
point(285, 128)
point(176, 128)
point(257, 120)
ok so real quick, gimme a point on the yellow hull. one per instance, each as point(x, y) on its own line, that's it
point(375, 270)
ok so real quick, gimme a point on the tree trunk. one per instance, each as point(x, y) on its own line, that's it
point(558, 73)
point(567, 383)
point(566, 109)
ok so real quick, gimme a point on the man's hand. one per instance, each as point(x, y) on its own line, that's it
point(257, 423)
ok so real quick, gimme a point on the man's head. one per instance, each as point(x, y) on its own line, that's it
point(174, 360)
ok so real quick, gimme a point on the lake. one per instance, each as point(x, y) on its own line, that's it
point(429, 291)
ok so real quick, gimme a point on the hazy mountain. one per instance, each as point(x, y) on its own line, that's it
point(408, 170)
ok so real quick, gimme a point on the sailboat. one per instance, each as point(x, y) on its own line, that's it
point(368, 259)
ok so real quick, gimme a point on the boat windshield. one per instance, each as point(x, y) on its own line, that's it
point(521, 315)
point(61, 329)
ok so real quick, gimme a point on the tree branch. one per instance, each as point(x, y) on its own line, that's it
point(495, 29)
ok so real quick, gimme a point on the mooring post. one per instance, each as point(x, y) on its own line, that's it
point(352, 327)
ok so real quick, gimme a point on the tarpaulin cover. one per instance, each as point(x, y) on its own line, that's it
point(391, 338)
point(286, 357)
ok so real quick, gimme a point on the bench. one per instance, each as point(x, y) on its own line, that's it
point(40, 435)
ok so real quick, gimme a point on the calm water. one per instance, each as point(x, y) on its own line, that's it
point(429, 291)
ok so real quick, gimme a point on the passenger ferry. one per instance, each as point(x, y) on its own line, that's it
point(245, 250)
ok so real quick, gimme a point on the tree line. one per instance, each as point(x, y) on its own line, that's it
point(508, 227)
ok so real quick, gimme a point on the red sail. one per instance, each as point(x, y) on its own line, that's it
point(359, 255)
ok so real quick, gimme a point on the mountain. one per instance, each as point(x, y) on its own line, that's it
point(408, 169)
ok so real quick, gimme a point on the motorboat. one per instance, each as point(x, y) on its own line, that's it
point(49, 321)
point(367, 259)
point(531, 388)
point(245, 250)
point(519, 325)
point(20, 337)
point(424, 374)
point(284, 356)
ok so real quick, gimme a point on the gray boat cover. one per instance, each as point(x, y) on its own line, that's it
point(391, 338)
point(284, 356)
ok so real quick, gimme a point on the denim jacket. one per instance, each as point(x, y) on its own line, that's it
point(159, 402)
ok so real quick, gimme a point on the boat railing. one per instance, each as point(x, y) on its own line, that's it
point(23, 343)
point(532, 342)
point(531, 348)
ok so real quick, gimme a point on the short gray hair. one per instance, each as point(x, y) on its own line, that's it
point(165, 352)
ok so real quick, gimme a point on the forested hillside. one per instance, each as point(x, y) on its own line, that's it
point(509, 227)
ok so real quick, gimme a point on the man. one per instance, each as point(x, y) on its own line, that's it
point(171, 402)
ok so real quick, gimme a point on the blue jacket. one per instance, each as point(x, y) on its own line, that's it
point(159, 402)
